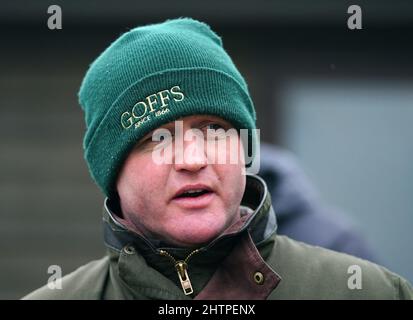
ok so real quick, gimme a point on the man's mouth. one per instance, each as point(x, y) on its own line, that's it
point(194, 196)
point(193, 193)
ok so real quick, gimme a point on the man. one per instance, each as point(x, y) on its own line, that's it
point(165, 109)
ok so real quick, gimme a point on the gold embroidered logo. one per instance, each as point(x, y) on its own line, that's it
point(153, 105)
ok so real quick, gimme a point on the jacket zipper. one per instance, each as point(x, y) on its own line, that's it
point(181, 267)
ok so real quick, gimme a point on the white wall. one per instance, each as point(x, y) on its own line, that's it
point(355, 140)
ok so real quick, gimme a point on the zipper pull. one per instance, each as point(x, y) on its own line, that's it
point(181, 268)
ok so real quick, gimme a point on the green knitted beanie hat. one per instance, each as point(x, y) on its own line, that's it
point(150, 76)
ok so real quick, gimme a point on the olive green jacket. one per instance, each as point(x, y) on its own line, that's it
point(249, 261)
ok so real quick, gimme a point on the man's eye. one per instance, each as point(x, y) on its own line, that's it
point(214, 131)
point(214, 126)
point(159, 139)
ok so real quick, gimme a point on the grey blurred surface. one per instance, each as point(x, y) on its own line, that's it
point(50, 210)
point(363, 130)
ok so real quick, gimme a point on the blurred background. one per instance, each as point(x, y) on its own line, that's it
point(340, 99)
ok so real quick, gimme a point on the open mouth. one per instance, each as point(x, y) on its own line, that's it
point(193, 193)
point(194, 197)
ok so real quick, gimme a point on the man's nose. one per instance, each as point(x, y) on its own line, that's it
point(190, 156)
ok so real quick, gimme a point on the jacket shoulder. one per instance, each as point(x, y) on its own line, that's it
point(310, 272)
point(85, 283)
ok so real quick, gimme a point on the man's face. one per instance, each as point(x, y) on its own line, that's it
point(192, 199)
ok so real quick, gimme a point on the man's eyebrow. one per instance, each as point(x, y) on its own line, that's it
point(202, 122)
point(170, 127)
point(146, 136)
